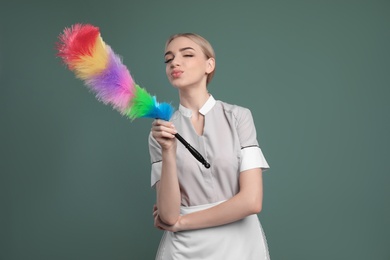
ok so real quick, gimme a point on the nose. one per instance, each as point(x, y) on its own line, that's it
point(175, 62)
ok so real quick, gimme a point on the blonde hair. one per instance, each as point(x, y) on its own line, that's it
point(205, 46)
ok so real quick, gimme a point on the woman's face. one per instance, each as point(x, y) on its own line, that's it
point(186, 64)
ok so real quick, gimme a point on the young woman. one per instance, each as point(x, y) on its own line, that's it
point(207, 213)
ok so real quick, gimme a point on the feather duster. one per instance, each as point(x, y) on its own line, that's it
point(85, 53)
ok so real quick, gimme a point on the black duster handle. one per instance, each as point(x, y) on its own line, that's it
point(192, 150)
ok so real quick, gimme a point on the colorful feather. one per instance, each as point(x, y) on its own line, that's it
point(85, 53)
point(145, 105)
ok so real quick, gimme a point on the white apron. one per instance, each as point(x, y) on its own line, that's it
point(240, 240)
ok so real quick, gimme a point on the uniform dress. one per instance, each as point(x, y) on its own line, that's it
point(230, 145)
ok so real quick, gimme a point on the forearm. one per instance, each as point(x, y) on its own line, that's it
point(227, 212)
point(168, 191)
point(247, 202)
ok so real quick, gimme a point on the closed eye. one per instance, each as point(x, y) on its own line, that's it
point(168, 60)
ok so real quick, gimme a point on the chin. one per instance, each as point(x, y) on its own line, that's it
point(178, 85)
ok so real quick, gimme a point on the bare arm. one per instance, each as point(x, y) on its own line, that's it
point(167, 189)
point(246, 202)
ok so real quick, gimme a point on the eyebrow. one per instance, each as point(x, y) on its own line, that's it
point(182, 49)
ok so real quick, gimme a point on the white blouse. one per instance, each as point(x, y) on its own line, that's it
point(228, 143)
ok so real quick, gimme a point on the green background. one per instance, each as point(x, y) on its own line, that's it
point(75, 175)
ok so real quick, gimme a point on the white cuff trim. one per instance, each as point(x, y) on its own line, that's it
point(252, 157)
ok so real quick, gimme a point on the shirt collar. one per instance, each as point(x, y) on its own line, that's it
point(204, 109)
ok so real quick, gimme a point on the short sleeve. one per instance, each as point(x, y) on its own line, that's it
point(251, 154)
point(155, 159)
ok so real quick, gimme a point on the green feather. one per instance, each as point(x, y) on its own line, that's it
point(142, 103)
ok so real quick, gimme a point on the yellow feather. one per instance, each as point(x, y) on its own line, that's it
point(89, 66)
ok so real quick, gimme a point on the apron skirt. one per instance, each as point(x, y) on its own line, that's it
point(243, 239)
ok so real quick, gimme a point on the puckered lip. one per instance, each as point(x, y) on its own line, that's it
point(176, 73)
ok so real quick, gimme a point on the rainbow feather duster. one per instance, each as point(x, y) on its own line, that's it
point(83, 50)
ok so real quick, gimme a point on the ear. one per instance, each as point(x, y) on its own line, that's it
point(210, 65)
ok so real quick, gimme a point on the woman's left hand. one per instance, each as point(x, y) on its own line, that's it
point(162, 226)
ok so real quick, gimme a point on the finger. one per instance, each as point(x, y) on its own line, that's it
point(164, 134)
point(165, 127)
point(161, 122)
point(158, 224)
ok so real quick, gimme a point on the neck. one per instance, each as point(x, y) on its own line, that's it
point(193, 99)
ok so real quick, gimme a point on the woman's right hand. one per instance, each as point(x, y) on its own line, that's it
point(164, 133)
